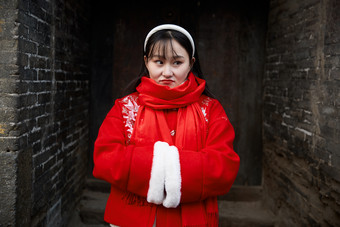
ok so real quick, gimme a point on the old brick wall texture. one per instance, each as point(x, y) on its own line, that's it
point(44, 103)
point(301, 125)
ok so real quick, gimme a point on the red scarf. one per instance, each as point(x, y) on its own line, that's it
point(163, 97)
point(190, 134)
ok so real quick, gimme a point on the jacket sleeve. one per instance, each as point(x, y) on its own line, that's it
point(212, 170)
point(126, 167)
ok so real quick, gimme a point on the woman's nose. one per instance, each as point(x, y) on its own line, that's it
point(167, 71)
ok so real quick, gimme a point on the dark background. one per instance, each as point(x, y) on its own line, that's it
point(230, 39)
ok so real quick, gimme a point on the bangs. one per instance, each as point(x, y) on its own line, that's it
point(161, 49)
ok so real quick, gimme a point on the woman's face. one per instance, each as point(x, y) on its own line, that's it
point(170, 68)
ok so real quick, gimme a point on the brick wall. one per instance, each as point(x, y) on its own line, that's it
point(44, 97)
point(8, 115)
point(301, 110)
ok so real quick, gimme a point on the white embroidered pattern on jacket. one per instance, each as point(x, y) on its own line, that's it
point(204, 106)
point(129, 112)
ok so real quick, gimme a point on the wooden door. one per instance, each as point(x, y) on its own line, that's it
point(230, 39)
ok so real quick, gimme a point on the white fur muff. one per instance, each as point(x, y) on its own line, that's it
point(165, 181)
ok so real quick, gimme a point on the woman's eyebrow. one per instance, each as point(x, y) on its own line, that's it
point(161, 56)
point(157, 56)
point(178, 56)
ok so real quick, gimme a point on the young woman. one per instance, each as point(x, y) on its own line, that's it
point(166, 148)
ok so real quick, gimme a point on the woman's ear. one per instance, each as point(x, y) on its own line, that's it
point(192, 62)
point(145, 60)
point(146, 64)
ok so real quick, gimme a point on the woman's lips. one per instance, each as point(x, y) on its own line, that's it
point(166, 82)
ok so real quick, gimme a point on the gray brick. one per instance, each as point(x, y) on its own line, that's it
point(306, 98)
point(33, 105)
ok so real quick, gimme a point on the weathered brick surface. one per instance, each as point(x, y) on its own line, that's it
point(301, 120)
point(8, 116)
point(44, 99)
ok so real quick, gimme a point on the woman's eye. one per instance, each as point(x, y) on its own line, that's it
point(159, 62)
point(177, 62)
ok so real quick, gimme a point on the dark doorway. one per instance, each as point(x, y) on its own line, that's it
point(230, 38)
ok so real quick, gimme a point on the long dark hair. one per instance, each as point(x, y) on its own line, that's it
point(163, 37)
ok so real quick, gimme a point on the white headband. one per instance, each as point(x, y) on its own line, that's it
point(172, 27)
